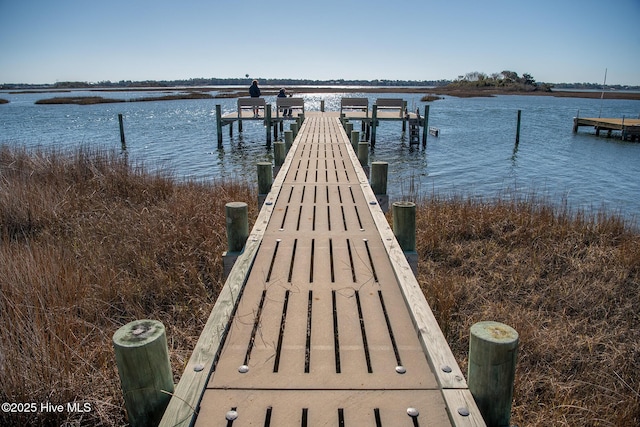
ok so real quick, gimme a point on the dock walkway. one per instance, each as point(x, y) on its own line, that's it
point(629, 128)
point(387, 110)
point(321, 321)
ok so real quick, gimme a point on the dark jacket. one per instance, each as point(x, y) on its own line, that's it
point(254, 91)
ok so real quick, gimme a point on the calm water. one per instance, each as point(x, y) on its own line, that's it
point(475, 154)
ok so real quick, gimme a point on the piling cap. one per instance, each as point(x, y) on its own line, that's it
point(138, 332)
point(496, 332)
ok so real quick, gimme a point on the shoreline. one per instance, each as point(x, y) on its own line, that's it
point(433, 93)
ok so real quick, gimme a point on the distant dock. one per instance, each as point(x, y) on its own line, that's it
point(351, 109)
point(629, 128)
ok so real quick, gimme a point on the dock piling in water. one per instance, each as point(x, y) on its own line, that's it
point(518, 127)
point(265, 180)
point(379, 173)
point(122, 141)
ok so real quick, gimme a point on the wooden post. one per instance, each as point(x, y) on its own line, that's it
point(404, 228)
point(279, 154)
point(374, 124)
point(518, 127)
point(237, 232)
point(379, 172)
point(363, 153)
point(404, 116)
point(355, 140)
point(348, 127)
point(288, 139)
point(363, 156)
point(493, 349)
point(425, 126)
point(265, 179)
point(267, 115)
point(237, 225)
point(219, 124)
point(122, 141)
point(294, 129)
point(143, 364)
point(322, 105)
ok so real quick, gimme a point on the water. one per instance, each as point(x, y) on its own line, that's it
point(475, 154)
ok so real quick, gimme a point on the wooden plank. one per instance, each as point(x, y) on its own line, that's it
point(434, 344)
point(187, 394)
point(324, 408)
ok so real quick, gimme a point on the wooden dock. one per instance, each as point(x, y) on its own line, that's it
point(629, 128)
point(352, 109)
point(321, 321)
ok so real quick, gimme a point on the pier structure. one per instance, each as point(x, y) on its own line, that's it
point(629, 128)
point(352, 109)
point(321, 320)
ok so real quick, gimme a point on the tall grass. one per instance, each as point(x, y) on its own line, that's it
point(89, 242)
point(568, 283)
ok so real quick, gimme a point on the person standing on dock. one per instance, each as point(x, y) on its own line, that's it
point(254, 92)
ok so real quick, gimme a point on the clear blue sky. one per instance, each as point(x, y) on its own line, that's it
point(44, 41)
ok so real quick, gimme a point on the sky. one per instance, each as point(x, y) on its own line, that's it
point(556, 41)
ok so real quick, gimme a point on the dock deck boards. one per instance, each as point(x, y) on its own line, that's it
point(330, 327)
point(630, 128)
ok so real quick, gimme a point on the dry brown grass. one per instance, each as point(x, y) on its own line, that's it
point(89, 242)
point(569, 284)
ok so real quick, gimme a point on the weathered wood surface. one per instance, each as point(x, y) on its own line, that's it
point(331, 327)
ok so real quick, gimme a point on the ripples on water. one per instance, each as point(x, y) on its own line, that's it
point(475, 154)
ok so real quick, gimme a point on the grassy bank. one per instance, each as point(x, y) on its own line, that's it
point(91, 100)
point(89, 242)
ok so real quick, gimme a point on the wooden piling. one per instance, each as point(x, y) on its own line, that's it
point(404, 228)
point(379, 172)
point(348, 127)
point(294, 129)
point(219, 124)
point(288, 139)
point(279, 153)
point(425, 126)
point(122, 141)
point(363, 153)
point(322, 105)
point(518, 127)
point(493, 349)
point(265, 180)
point(267, 116)
point(355, 139)
point(145, 374)
point(237, 232)
point(237, 225)
point(374, 124)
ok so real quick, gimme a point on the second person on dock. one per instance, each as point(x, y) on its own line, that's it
point(254, 92)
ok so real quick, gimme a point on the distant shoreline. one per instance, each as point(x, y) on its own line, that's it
point(236, 92)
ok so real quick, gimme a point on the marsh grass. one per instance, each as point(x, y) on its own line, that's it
point(90, 241)
point(569, 283)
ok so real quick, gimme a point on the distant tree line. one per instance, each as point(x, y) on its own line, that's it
point(505, 79)
point(195, 82)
